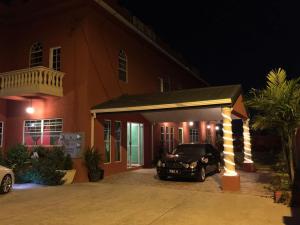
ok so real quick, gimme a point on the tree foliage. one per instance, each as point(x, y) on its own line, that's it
point(277, 107)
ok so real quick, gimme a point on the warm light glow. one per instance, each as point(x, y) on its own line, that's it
point(30, 110)
point(247, 143)
point(208, 126)
point(227, 130)
point(217, 128)
point(191, 123)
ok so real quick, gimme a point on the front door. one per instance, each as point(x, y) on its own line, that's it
point(135, 144)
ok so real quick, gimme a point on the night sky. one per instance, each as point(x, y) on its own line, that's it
point(230, 41)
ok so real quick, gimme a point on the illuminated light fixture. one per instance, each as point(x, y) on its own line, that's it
point(247, 143)
point(30, 109)
point(208, 126)
point(191, 123)
point(217, 128)
point(227, 130)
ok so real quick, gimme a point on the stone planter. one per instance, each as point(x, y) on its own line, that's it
point(69, 176)
point(284, 197)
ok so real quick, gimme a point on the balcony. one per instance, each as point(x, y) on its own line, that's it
point(35, 81)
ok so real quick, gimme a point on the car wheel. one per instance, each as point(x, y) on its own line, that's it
point(218, 170)
point(202, 174)
point(6, 184)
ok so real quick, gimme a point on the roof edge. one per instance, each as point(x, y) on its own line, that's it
point(225, 101)
point(121, 18)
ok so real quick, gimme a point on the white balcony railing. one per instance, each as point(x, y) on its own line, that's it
point(32, 81)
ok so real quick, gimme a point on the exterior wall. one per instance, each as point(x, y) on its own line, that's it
point(90, 41)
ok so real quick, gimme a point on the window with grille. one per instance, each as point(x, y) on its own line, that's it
point(123, 66)
point(55, 58)
point(118, 133)
point(172, 139)
point(36, 54)
point(107, 140)
point(162, 135)
point(194, 135)
point(42, 132)
point(1, 133)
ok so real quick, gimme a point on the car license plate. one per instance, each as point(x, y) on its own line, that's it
point(174, 171)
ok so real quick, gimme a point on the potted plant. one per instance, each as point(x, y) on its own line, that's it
point(92, 161)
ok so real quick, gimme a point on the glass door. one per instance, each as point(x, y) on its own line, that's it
point(135, 144)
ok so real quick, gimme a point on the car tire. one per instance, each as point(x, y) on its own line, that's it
point(219, 168)
point(202, 174)
point(6, 184)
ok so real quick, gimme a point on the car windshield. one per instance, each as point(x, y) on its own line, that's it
point(189, 150)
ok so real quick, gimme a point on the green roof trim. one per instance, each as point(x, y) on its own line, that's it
point(207, 96)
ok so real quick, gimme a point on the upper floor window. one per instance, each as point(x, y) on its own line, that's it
point(1, 133)
point(36, 54)
point(122, 66)
point(55, 57)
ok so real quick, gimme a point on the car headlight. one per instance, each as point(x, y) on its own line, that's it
point(159, 163)
point(193, 165)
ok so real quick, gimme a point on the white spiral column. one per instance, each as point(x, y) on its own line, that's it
point(247, 142)
point(228, 143)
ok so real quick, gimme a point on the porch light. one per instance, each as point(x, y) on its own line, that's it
point(217, 128)
point(30, 109)
point(208, 126)
point(191, 123)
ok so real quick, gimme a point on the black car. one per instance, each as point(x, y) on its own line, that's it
point(190, 160)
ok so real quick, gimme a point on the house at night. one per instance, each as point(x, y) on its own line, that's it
point(87, 68)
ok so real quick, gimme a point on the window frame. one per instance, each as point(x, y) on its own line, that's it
point(180, 137)
point(1, 133)
point(51, 55)
point(42, 131)
point(31, 52)
point(120, 141)
point(194, 132)
point(122, 56)
point(106, 141)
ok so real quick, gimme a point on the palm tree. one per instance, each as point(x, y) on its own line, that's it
point(277, 107)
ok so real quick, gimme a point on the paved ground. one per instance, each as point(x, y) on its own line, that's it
point(137, 198)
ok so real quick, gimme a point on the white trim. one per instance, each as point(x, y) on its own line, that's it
point(51, 56)
point(109, 143)
point(2, 134)
point(145, 37)
point(164, 106)
point(93, 117)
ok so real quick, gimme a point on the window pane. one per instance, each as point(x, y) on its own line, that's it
point(122, 66)
point(56, 58)
point(118, 131)
point(107, 140)
point(36, 54)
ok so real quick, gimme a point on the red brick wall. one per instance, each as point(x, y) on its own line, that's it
point(90, 40)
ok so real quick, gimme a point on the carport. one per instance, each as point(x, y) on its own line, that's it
point(218, 103)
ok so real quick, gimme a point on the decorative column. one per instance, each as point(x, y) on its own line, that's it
point(230, 178)
point(248, 164)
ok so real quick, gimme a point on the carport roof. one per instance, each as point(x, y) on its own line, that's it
point(200, 97)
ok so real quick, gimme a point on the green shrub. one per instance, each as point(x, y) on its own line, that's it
point(68, 163)
point(92, 160)
point(19, 160)
point(2, 162)
point(17, 157)
point(46, 168)
point(45, 172)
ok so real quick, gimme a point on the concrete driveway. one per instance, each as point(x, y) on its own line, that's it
point(138, 198)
